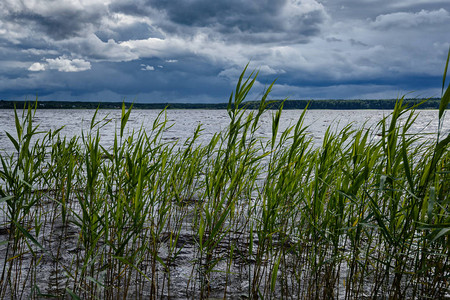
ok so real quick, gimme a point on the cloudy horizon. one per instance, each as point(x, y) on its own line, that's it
point(151, 51)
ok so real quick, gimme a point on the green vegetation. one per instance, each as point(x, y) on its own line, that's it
point(432, 103)
point(359, 216)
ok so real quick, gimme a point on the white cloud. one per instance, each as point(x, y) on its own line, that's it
point(48, 10)
point(63, 64)
point(408, 3)
point(171, 60)
point(154, 46)
point(94, 48)
point(34, 51)
point(295, 8)
point(147, 68)
point(36, 67)
point(409, 20)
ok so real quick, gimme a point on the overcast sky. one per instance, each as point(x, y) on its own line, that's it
point(194, 50)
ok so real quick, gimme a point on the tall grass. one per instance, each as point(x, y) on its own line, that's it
point(365, 214)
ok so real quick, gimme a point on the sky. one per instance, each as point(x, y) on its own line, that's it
point(150, 51)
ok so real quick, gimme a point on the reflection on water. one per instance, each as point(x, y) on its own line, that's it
point(184, 122)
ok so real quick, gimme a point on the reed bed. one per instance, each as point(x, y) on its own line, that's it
point(364, 215)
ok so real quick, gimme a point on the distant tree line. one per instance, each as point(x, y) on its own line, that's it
point(432, 103)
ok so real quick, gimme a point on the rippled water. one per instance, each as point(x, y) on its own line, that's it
point(184, 122)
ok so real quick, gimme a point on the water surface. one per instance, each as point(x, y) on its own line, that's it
point(182, 123)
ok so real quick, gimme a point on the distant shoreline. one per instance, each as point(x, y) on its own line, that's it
point(432, 103)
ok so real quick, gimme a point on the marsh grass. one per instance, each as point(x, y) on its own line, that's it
point(360, 216)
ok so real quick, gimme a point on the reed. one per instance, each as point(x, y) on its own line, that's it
point(364, 214)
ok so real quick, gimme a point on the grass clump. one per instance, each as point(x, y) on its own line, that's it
point(365, 214)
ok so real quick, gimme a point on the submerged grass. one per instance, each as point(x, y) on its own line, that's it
point(360, 216)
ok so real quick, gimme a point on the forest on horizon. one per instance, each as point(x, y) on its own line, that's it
point(432, 103)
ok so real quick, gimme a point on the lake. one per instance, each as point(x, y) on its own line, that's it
point(224, 222)
point(184, 122)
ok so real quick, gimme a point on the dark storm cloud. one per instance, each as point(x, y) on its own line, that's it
point(193, 50)
point(110, 81)
point(251, 16)
point(65, 24)
point(235, 20)
point(136, 31)
point(57, 20)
